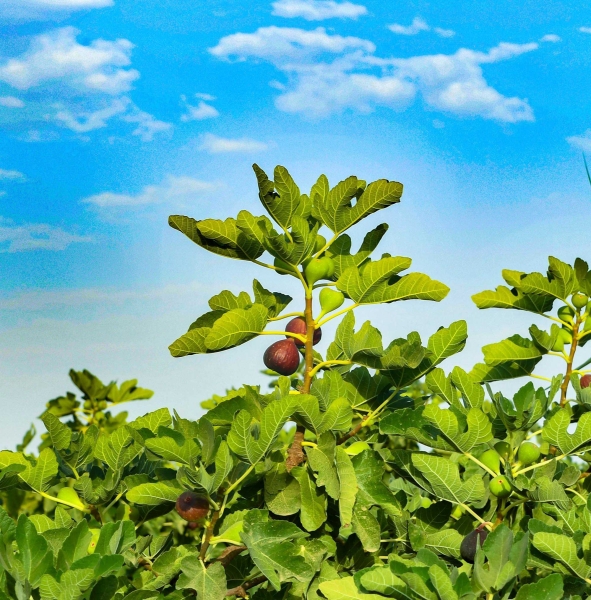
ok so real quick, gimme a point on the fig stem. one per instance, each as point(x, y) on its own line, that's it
point(476, 516)
point(327, 363)
point(337, 314)
point(559, 354)
point(540, 377)
point(327, 245)
point(65, 502)
point(240, 479)
point(481, 465)
point(296, 336)
point(571, 358)
point(286, 316)
point(208, 533)
point(540, 464)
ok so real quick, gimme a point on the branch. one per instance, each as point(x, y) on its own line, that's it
point(569, 364)
point(229, 554)
point(208, 533)
point(241, 590)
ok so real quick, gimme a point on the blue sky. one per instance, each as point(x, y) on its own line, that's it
point(114, 114)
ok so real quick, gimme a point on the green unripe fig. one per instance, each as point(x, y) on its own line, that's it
point(566, 314)
point(319, 268)
point(103, 404)
point(357, 447)
point(68, 494)
point(96, 533)
point(528, 453)
point(492, 460)
point(87, 404)
point(500, 487)
point(281, 264)
point(426, 502)
point(330, 300)
point(580, 300)
point(471, 543)
point(320, 243)
point(457, 512)
point(504, 449)
point(566, 336)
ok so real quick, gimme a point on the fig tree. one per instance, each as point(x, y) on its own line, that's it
point(566, 314)
point(192, 507)
point(580, 300)
point(492, 460)
point(528, 453)
point(471, 543)
point(586, 380)
point(298, 325)
point(330, 300)
point(500, 487)
point(68, 494)
point(504, 449)
point(283, 357)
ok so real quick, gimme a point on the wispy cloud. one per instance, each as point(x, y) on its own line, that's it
point(30, 10)
point(585, 29)
point(84, 85)
point(200, 112)
point(417, 26)
point(551, 37)
point(11, 102)
point(581, 142)
point(177, 190)
point(12, 175)
point(217, 145)
point(35, 236)
point(318, 10)
point(330, 73)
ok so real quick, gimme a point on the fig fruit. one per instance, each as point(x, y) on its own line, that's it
point(282, 357)
point(426, 502)
point(580, 300)
point(492, 460)
point(528, 453)
point(471, 543)
point(192, 507)
point(96, 533)
point(87, 405)
point(330, 300)
point(319, 243)
point(298, 325)
point(192, 526)
point(586, 380)
point(504, 449)
point(319, 268)
point(67, 494)
point(103, 404)
point(500, 487)
point(566, 314)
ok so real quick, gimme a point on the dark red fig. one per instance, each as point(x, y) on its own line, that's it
point(586, 380)
point(192, 526)
point(282, 357)
point(472, 542)
point(192, 507)
point(298, 325)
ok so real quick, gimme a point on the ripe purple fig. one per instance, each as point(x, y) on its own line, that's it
point(471, 543)
point(282, 357)
point(192, 507)
point(586, 381)
point(298, 325)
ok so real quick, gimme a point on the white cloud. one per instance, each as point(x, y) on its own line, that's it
point(446, 33)
point(56, 55)
point(585, 29)
point(31, 10)
point(84, 122)
point(551, 37)
point(327, 74)
point(283, 43)
point(35, 236)
point(14, 175)
point(67, 4)
point(217, 145)
point(415, 27)
point(177, 190)
point(201, 111)
point(582, 142)
point(317, 10)
point(147, 125)
point(11, 102)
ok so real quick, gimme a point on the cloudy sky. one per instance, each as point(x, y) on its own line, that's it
point(116, 113)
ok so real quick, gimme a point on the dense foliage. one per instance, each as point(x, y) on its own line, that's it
point(366, 472)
